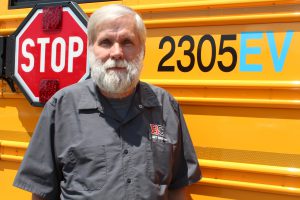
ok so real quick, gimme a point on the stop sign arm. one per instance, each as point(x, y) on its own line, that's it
point(5, 59)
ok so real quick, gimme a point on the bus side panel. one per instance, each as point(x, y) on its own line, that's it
point(242, 108)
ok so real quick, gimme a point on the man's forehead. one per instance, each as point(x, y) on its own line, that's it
point(120, 33)
point(123, 23)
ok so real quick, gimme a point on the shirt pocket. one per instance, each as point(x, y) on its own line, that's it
point(159, 161)
point(89, 167)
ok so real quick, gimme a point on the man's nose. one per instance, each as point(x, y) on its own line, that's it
point(116, 51)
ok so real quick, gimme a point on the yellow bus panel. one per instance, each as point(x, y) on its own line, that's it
point(233, 66)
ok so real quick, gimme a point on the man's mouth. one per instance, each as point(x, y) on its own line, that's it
point(120, 69)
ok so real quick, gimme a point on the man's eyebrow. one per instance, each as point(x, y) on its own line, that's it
point(106, 34)
point(127, 35)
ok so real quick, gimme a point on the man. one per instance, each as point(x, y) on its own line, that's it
point(111, 137)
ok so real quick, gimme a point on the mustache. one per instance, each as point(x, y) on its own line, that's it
point(113, 63)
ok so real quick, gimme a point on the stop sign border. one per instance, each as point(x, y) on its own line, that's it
point(74, 10)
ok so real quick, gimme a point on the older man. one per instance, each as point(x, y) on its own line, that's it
point(111, 137)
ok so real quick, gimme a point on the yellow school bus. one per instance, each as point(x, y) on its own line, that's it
point(233, 65)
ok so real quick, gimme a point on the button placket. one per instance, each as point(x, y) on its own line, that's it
point(126, 161)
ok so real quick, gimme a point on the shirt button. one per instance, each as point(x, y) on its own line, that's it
point(129, 180)
point(125, 151)
point(141, 106)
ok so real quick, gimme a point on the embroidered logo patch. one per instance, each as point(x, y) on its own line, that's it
point(157, 133)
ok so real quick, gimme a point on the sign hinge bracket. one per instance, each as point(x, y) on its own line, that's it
point(4, 57)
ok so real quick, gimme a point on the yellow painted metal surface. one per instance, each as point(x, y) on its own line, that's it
point(244, 124)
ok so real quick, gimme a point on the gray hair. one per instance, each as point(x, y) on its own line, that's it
point(111, 12)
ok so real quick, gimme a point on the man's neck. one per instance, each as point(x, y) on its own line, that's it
point(117, 95)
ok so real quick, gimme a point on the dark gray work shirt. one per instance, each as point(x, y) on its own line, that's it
point(82, 150)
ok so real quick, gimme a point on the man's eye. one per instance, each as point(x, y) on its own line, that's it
point(127, 42)
point(105, 43)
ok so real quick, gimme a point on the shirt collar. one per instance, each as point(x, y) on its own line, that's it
point(147, 95)
point(90, 96)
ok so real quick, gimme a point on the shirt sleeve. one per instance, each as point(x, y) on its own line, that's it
point(38, 171)
point(186, 170)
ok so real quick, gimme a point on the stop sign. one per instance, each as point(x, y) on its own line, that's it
point(55, 55)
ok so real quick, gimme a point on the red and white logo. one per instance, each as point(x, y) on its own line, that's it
point(157, 133)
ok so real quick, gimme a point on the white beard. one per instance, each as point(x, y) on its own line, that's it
point(116, 82)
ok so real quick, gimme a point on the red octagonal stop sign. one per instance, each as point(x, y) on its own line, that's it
point(58, 55)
